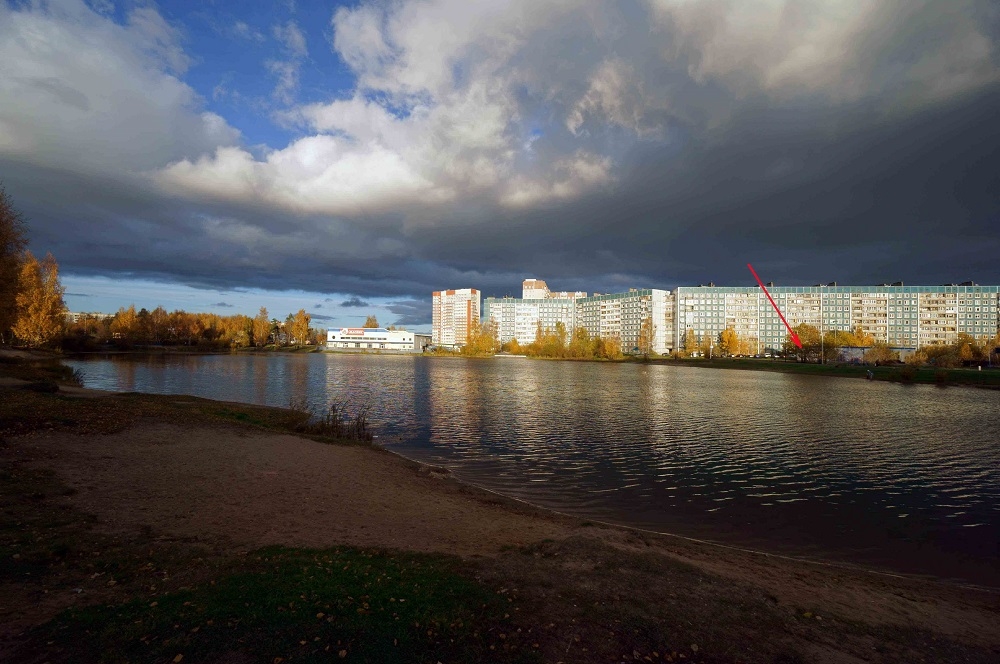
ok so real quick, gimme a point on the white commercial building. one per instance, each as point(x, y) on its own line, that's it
point(452, 316)
point(374, 339)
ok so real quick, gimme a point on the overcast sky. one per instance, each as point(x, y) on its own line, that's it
point(350, 158)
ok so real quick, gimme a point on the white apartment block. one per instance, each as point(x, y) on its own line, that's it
point(520, 318)
point(452, 316)
point(621, 315)
point(904, 317)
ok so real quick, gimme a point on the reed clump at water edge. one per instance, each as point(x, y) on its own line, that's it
point(339, 421)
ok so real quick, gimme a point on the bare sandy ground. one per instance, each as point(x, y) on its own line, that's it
point(256, 489)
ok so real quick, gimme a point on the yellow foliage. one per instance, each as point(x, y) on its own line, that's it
point(41, 312)
point(261, 327)
point(729, 342)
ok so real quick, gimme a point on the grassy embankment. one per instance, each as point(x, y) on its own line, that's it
point(128, 597)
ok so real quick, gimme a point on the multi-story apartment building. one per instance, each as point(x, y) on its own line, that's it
point(520, 318)
point(452, 316)
point(618, 315)
point(904, 317)
point(622, 315)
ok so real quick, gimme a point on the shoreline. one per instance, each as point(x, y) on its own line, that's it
point(903, 559)
point(836, 564)
point(988, 379)
point(790, 553)
point(207, 480)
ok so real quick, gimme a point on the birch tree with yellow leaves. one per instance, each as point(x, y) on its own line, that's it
point(41, 311)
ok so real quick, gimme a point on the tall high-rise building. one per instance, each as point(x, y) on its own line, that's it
point(452, 316)
point(534, 289)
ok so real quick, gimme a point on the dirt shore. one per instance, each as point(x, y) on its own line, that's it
point(238, 488)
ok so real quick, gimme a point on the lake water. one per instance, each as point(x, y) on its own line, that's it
point(904, 478)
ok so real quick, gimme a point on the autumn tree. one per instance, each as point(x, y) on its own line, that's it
point(13, 241)
point(580, 344)
point(611, 348)
point(41, 312)
point(647, 335)
point(300, 326)
point(862, 338)
point(839, 339)
point(810, 340)
point(483, 338)
point(690, 342)
point(549, 342)
point(159, 322)
point(706, 346)
point(261, 328)
point(880, 353)
point(729, 342)
point(125, 326)
point(235, 330)
point(944, 356)
point(186, 327)
point(969, 348)
point(371, 321)
point(748, 345)
point(512, 347)
point(917, 358)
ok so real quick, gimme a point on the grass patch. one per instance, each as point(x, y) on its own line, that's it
point(302, 605)
point(147, 598)
point(40, 370)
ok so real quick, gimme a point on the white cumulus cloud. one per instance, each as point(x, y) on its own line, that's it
point(82, 92)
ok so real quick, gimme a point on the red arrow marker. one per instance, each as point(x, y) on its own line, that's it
point(791, 332)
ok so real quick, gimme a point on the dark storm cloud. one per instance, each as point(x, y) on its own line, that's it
point(320, 317)
point(691, 152)
point(411, 312)
point(354, 302)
